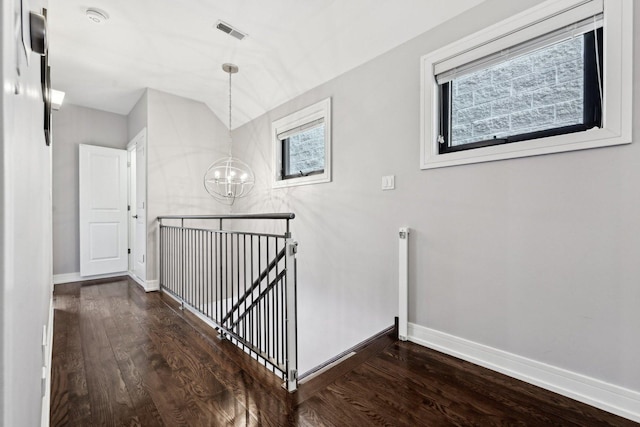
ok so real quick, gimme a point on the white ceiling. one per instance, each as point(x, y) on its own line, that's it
point(173, 46)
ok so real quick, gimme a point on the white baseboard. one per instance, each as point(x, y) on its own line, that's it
point(611, 398)
point(147, 285)
point(48, 354)
point(152, 285)
point(76, 277)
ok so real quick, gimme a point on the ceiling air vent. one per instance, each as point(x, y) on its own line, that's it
point(233, 32)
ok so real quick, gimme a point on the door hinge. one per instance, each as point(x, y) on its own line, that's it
point(129, 250)
point(128, 207)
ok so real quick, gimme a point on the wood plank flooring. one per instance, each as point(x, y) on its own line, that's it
point(125, 358)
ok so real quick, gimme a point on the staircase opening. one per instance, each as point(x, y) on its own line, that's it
point(240, 281)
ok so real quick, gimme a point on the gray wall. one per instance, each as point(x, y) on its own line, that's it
point(25, 229)
point(183, 138)
point(536, 256)
point(74, 125)
point(138, 117)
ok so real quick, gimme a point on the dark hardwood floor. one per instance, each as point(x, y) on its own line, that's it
point(125, 358)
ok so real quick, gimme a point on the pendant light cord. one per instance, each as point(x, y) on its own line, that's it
point(230, 139)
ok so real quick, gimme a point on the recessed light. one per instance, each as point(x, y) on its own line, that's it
point(97, 16)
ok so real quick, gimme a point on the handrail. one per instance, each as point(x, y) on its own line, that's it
point(288, 215)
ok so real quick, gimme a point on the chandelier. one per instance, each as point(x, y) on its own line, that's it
point(229, 178)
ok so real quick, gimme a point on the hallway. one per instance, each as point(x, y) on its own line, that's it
point(123, 357)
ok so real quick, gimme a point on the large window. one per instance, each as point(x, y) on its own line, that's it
point(549, 91)
point(302, 149)
point(538, 83)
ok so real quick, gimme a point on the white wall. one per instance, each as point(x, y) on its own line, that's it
point(25, 229)
point(184, 137)
point(74, 125)
point(535, 256)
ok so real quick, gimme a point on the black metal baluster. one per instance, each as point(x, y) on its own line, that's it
point(174, 258)
point(200, 270)
point(237, 266)
point(244, 311)
point(203, 254)
point(209, 255)
point(276, 317)
point(229, 265)
point(259, 308)
point(218, 275)
point(253, 340)
point(266, 303)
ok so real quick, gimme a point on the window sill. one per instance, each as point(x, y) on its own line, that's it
point(555, 144)
point(303, 180)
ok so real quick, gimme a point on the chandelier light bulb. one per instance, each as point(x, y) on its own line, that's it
point(221, 179)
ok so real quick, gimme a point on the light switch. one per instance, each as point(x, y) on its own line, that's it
point(388, 182)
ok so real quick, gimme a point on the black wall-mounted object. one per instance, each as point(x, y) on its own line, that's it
point(38, 31)
point(39, 45)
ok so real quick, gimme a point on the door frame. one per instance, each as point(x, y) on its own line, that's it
point(131, 200)
point(134, 198)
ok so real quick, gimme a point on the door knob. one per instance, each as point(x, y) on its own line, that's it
point(134, 216)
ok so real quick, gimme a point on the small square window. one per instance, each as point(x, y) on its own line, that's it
point(302, 146)
point(303, 151)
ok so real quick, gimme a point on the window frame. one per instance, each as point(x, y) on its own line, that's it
point(548, 16)
point(307, 115)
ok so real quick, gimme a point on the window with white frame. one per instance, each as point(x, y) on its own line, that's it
point(302, 146)
point(554, 78)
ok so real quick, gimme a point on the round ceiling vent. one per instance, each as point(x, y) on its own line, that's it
point(97, 16)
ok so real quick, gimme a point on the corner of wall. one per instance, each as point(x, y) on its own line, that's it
point(138, 117)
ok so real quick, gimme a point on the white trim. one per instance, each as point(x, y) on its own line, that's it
point(141, 137)
point(618, 80)
point(319, 110)
point(59, 279)
point(131, 200)
point(48, 357)
point(152, 285)
point(147, 285)
point(609, 397)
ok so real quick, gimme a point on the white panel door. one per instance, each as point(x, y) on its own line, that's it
point(103, 210)
point(140, 247)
